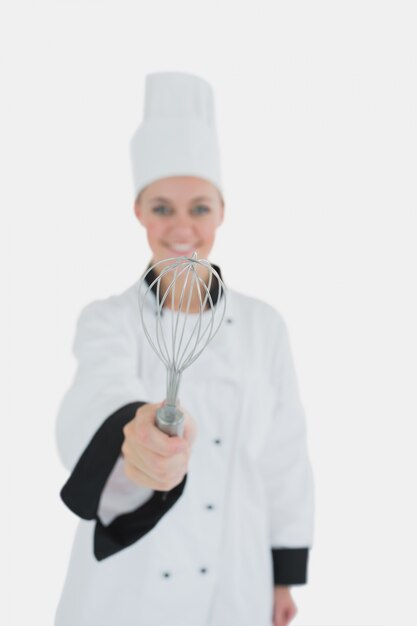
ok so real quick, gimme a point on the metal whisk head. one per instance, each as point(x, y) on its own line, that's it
point(179, 340)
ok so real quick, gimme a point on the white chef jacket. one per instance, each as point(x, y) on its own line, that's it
point(242, 518)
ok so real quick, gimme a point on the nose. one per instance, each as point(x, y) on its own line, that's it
point(182, 225)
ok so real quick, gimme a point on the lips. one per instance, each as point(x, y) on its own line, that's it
point(182, 248)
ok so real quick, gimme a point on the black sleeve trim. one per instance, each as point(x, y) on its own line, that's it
point(82, 491)
point(290, 565)
point(130, 527)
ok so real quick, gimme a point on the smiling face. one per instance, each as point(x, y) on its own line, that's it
point(181, 215)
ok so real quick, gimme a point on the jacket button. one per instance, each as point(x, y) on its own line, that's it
point(210, 507)
point(203, 570)
point(166, 574)
point(217, 441)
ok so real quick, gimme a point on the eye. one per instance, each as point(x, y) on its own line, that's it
point(201, 209)
point(161, 209)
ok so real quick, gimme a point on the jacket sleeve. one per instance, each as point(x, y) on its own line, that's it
point(104, 395)
point(286, 467)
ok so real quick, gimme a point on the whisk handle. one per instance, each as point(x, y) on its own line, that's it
point(170, 420)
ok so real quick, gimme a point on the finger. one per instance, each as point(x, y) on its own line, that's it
point(165, 445)
point(155, 466)
point(284, 615)
point(190, 430)
point(141, 478)
point(146, 434)
point(279, 617)
point(190, 426)
point(164, 468)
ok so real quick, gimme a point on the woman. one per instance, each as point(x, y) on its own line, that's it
point(211, 529)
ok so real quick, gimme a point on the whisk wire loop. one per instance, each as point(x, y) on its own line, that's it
point(190, 332)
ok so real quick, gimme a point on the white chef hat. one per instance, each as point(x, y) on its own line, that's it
point(178, 134)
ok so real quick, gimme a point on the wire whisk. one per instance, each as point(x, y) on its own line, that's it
point(195, 310)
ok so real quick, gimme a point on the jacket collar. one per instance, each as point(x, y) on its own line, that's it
point(214, 289)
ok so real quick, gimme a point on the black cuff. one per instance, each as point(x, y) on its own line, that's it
point(82, 491)
point(290, 565)
point(130, 527)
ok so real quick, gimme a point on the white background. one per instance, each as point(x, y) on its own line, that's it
point(316, 110)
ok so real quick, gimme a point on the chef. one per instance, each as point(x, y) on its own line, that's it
point(212, 528)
